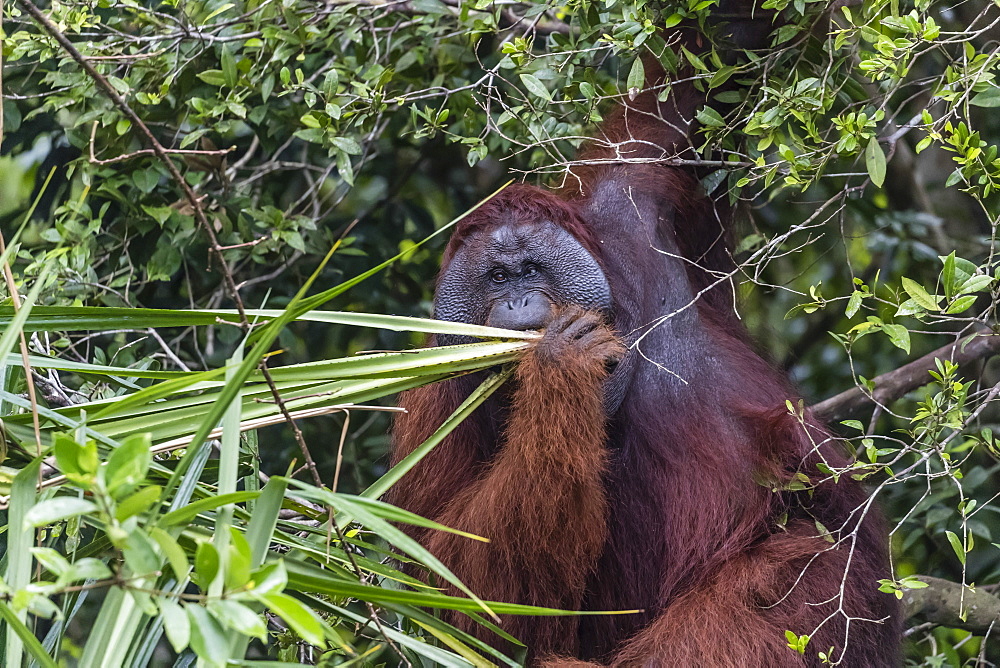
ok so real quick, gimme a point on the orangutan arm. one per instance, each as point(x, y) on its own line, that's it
point(541, 501)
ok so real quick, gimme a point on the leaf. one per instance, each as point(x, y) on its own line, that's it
point(176, 623)
point(636, 78)
point(53, 562)
point(710, 117)
point(309, 120)
point(300, 618)
point(948, 276)
point(987, 98)
point(140, 552)
point(59, 508)
point(721, 77)
point(192, 510)
point(976, 284)
point(228, 5)
point(145, 179)
point(85, 569)
point(206, 564)
point(78, 462)
point(175, 554)
point(899, 336)
point(229, 66)
point(212, 77)
point(208, 639)
point(128, 464)
point(535, 86)
point(853, 304)
point(264, 519)
point(875, 162)
point(909, 307)
point(348, 145)
point(239, 618)
point(138, 502)
point(956, 544)
point(921, 296)
point(695, 61)
point(961, 304)
point(35, 648)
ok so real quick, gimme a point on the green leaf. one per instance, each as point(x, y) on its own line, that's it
point(899, 336)
point(961, 304)
point(854, 303)
point(268, 579)
point(909, 307)
point(920, 296)
point(636, 78)
point(128, 464)
point(24, 635)
point(722, 76)
point(51, 560)
point(239, 618)
point(78, 462)
point(976, 284)
point(217, 11)
point(988, 98)
point(175, 554)
point(212, 77)
point(265, 518)
point(137, 503)
point(206, 564)
point(140, 552)
point(309, 120)
point(956, 545)
point(176, 623)
point(58, 508)
point(347, 144)
point(85, 569)
point(228, 66)
point(710, 117)
point(535, 87)
point(238, 561)
point(208, 639)
point(192, 510)
point(300, 618)
point(948, 276)
point(145, 179)
point(19, 543)
point(875, 162)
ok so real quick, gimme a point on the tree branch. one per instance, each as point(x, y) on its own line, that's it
point(943, 603)
point(894, 384)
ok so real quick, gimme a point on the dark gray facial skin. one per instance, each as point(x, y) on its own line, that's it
point(513, 275)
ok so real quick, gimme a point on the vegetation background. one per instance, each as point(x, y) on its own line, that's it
point(160, 158)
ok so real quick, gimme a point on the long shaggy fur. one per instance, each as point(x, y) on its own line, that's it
point(678, 504)
point(543, 484)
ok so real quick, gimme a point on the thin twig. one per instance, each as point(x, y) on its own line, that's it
point(146, 151)
point(28, 375)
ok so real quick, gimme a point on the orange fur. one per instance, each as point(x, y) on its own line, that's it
point(543, 488)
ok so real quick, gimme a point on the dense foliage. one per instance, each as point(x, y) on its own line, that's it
point(858, 144)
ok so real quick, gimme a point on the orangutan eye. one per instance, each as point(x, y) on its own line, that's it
point(530, 270)
point(498, 276)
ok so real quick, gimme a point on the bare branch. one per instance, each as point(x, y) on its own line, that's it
point(944, 603)
point(894, 384)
